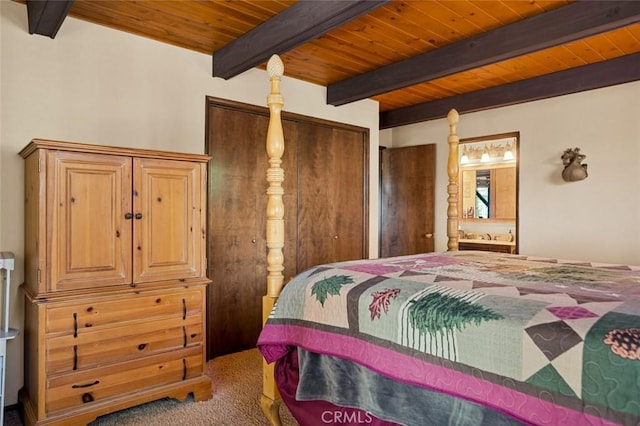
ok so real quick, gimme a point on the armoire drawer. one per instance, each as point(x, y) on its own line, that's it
point(72, 318)
point(71, 390)
point(132, 339)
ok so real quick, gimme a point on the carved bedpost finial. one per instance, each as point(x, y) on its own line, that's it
point(453, 118)
point(452, 189)
point(275, 67)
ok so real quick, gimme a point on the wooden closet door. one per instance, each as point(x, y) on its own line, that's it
point(332, 185)
point(236, 180)
point(167, 228)
point(407, 198)
point(89, 235)
point(237, 201)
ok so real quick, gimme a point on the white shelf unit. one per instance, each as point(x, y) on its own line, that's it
point(7, 262)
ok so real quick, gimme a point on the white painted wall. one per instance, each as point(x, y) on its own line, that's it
point(594, 219)
point(96, 85)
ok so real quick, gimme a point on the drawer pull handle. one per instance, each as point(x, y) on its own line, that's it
point(87, 397)
point(184, 309)
point(141, 346)
point(75, 324)
point(184, 333)
point(85, 385)
point(184, 369)
point(75, 357)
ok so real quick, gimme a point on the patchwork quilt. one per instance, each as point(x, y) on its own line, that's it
point(546, 341)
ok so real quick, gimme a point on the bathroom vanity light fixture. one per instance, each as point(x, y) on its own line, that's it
point(465, 157)
point(508, 153)
point(497, 151)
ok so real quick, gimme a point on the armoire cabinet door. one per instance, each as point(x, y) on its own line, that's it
point(166, 219)
point(89, 235)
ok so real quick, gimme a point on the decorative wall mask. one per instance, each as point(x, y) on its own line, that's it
point(574, 170)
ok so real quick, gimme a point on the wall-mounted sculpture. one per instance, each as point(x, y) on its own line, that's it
point(574, 170)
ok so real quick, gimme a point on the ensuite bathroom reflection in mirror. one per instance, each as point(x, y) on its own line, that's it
point(488, 207)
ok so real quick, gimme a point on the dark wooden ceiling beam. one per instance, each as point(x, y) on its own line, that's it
point(296, 25)
point(621, 70)
point(558, 26)
point(46, 16)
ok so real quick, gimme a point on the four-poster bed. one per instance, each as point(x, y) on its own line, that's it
point(465, 337)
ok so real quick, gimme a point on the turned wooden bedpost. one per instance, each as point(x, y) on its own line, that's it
point(270, 401)
point(452, 188)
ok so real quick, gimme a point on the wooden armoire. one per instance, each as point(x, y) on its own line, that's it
point(115, 279)
point(326, 171)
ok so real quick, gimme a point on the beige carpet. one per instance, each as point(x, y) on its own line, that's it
point(237, 381)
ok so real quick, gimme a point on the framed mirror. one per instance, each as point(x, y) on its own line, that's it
point(489, 192)
point(488, 189)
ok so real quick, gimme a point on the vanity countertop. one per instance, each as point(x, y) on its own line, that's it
point(495, 242)
point(487, 245)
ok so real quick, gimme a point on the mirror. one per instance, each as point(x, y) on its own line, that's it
point(488, 178)
point(489, 193)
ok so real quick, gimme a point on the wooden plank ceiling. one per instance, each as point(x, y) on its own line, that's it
point(416, 58)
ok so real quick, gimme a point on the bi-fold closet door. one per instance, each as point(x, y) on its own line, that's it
point(326, 210)
point(332, 197)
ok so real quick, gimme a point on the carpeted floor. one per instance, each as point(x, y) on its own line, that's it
point(237, 382)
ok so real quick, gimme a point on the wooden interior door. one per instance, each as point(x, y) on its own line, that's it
point(166, 209)
point(90, 237)
point(407, 200)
